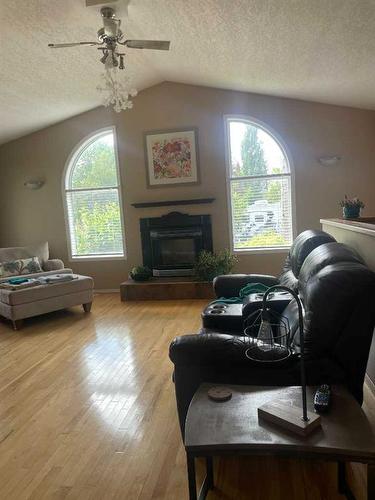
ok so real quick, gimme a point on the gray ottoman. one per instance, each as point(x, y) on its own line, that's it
point(27, 302)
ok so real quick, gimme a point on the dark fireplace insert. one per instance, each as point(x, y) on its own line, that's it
point(171, 243)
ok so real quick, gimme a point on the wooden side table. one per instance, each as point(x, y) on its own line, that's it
point(232, 428)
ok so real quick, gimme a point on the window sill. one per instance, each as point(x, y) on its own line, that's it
point(92, 258)
point(262, 250)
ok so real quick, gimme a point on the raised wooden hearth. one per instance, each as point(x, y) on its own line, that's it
point(166, 289)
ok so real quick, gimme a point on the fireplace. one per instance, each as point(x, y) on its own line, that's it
point(171, 243)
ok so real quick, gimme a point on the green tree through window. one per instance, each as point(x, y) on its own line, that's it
point(96, 167)
point(252, 154)
point(93, 199)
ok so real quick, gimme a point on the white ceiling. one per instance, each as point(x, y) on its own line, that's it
point(319, 50)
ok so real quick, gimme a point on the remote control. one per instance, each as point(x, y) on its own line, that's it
point(322, 399)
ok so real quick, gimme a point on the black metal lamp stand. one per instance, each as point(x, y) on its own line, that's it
point(278, 349)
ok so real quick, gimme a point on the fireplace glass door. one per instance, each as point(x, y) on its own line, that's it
point(175, 248)
point(177, 251)
point(171, 243)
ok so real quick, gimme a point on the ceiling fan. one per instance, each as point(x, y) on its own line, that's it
point(110, 37)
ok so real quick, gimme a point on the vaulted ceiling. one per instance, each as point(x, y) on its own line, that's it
point(319, 50)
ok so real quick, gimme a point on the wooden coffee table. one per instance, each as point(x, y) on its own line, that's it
point(233, 428)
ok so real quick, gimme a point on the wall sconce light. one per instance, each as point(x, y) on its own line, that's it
point(34, 183)
point(329, 161)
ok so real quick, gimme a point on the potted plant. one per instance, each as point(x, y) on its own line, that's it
point(351, 207)
point(210, 264)
point(140, 273)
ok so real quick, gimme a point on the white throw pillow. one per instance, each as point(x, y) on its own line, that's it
point(21, 266)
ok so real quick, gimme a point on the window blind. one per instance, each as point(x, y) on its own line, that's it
point(95, 222)
point(261, 213)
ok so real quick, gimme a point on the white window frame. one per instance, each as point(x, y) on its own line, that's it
point(268, 130)
point(68, 170)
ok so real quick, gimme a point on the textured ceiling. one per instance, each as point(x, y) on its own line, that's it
point(319, 50)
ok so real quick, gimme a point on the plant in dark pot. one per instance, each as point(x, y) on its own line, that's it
point(351, 207)
point(210, 264)
point(141, 273)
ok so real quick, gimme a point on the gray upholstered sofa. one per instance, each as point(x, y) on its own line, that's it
point(40, 250)
point(16, 305)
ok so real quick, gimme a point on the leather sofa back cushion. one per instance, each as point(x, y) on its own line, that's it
point(39, 250)
point(325, 255)
point(287, 277)
point(332, 297)
point(305, 243)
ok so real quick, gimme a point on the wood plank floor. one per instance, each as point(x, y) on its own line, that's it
point(87, 411)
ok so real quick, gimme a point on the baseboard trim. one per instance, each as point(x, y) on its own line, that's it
point(370, 384)
point(106, 290)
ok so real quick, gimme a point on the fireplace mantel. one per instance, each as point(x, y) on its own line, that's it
point(169, 203)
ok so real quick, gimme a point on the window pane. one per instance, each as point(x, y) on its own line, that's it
point(95, 222)
point(261, 213)
point(96, 165)
point(254, 152)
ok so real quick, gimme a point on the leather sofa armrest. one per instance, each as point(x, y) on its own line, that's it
point(229, 285)
point(208, 348)
point(217, 358)
point(53, 265)
point(196, 359)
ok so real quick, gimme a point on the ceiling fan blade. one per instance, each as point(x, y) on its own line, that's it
point(63, 45)
point(148, 44)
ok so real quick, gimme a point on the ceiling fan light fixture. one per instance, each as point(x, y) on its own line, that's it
point(111, 60)
point(116, 92)
point(105, 57)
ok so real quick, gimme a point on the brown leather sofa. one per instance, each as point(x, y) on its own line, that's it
point(338, 294)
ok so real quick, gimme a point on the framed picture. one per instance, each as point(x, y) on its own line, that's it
point(172, 157)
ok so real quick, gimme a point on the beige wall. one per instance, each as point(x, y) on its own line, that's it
point(308, 129)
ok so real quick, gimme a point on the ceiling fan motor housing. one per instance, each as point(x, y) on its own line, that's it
point(109, 36)
point(119, 6)
point(107, 12)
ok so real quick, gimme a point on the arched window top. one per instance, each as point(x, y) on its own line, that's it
point(260, 188)
point(93, 164)
point(92, 193)
point(254, 150)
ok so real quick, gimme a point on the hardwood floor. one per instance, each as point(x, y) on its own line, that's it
point(87, 411)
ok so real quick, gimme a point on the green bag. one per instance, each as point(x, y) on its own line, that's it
point(246, 290)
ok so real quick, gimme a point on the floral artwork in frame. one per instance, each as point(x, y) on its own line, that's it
point(172, 157)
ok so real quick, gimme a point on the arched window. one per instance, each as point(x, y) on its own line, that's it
point(259, 187)
point(93, 199)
